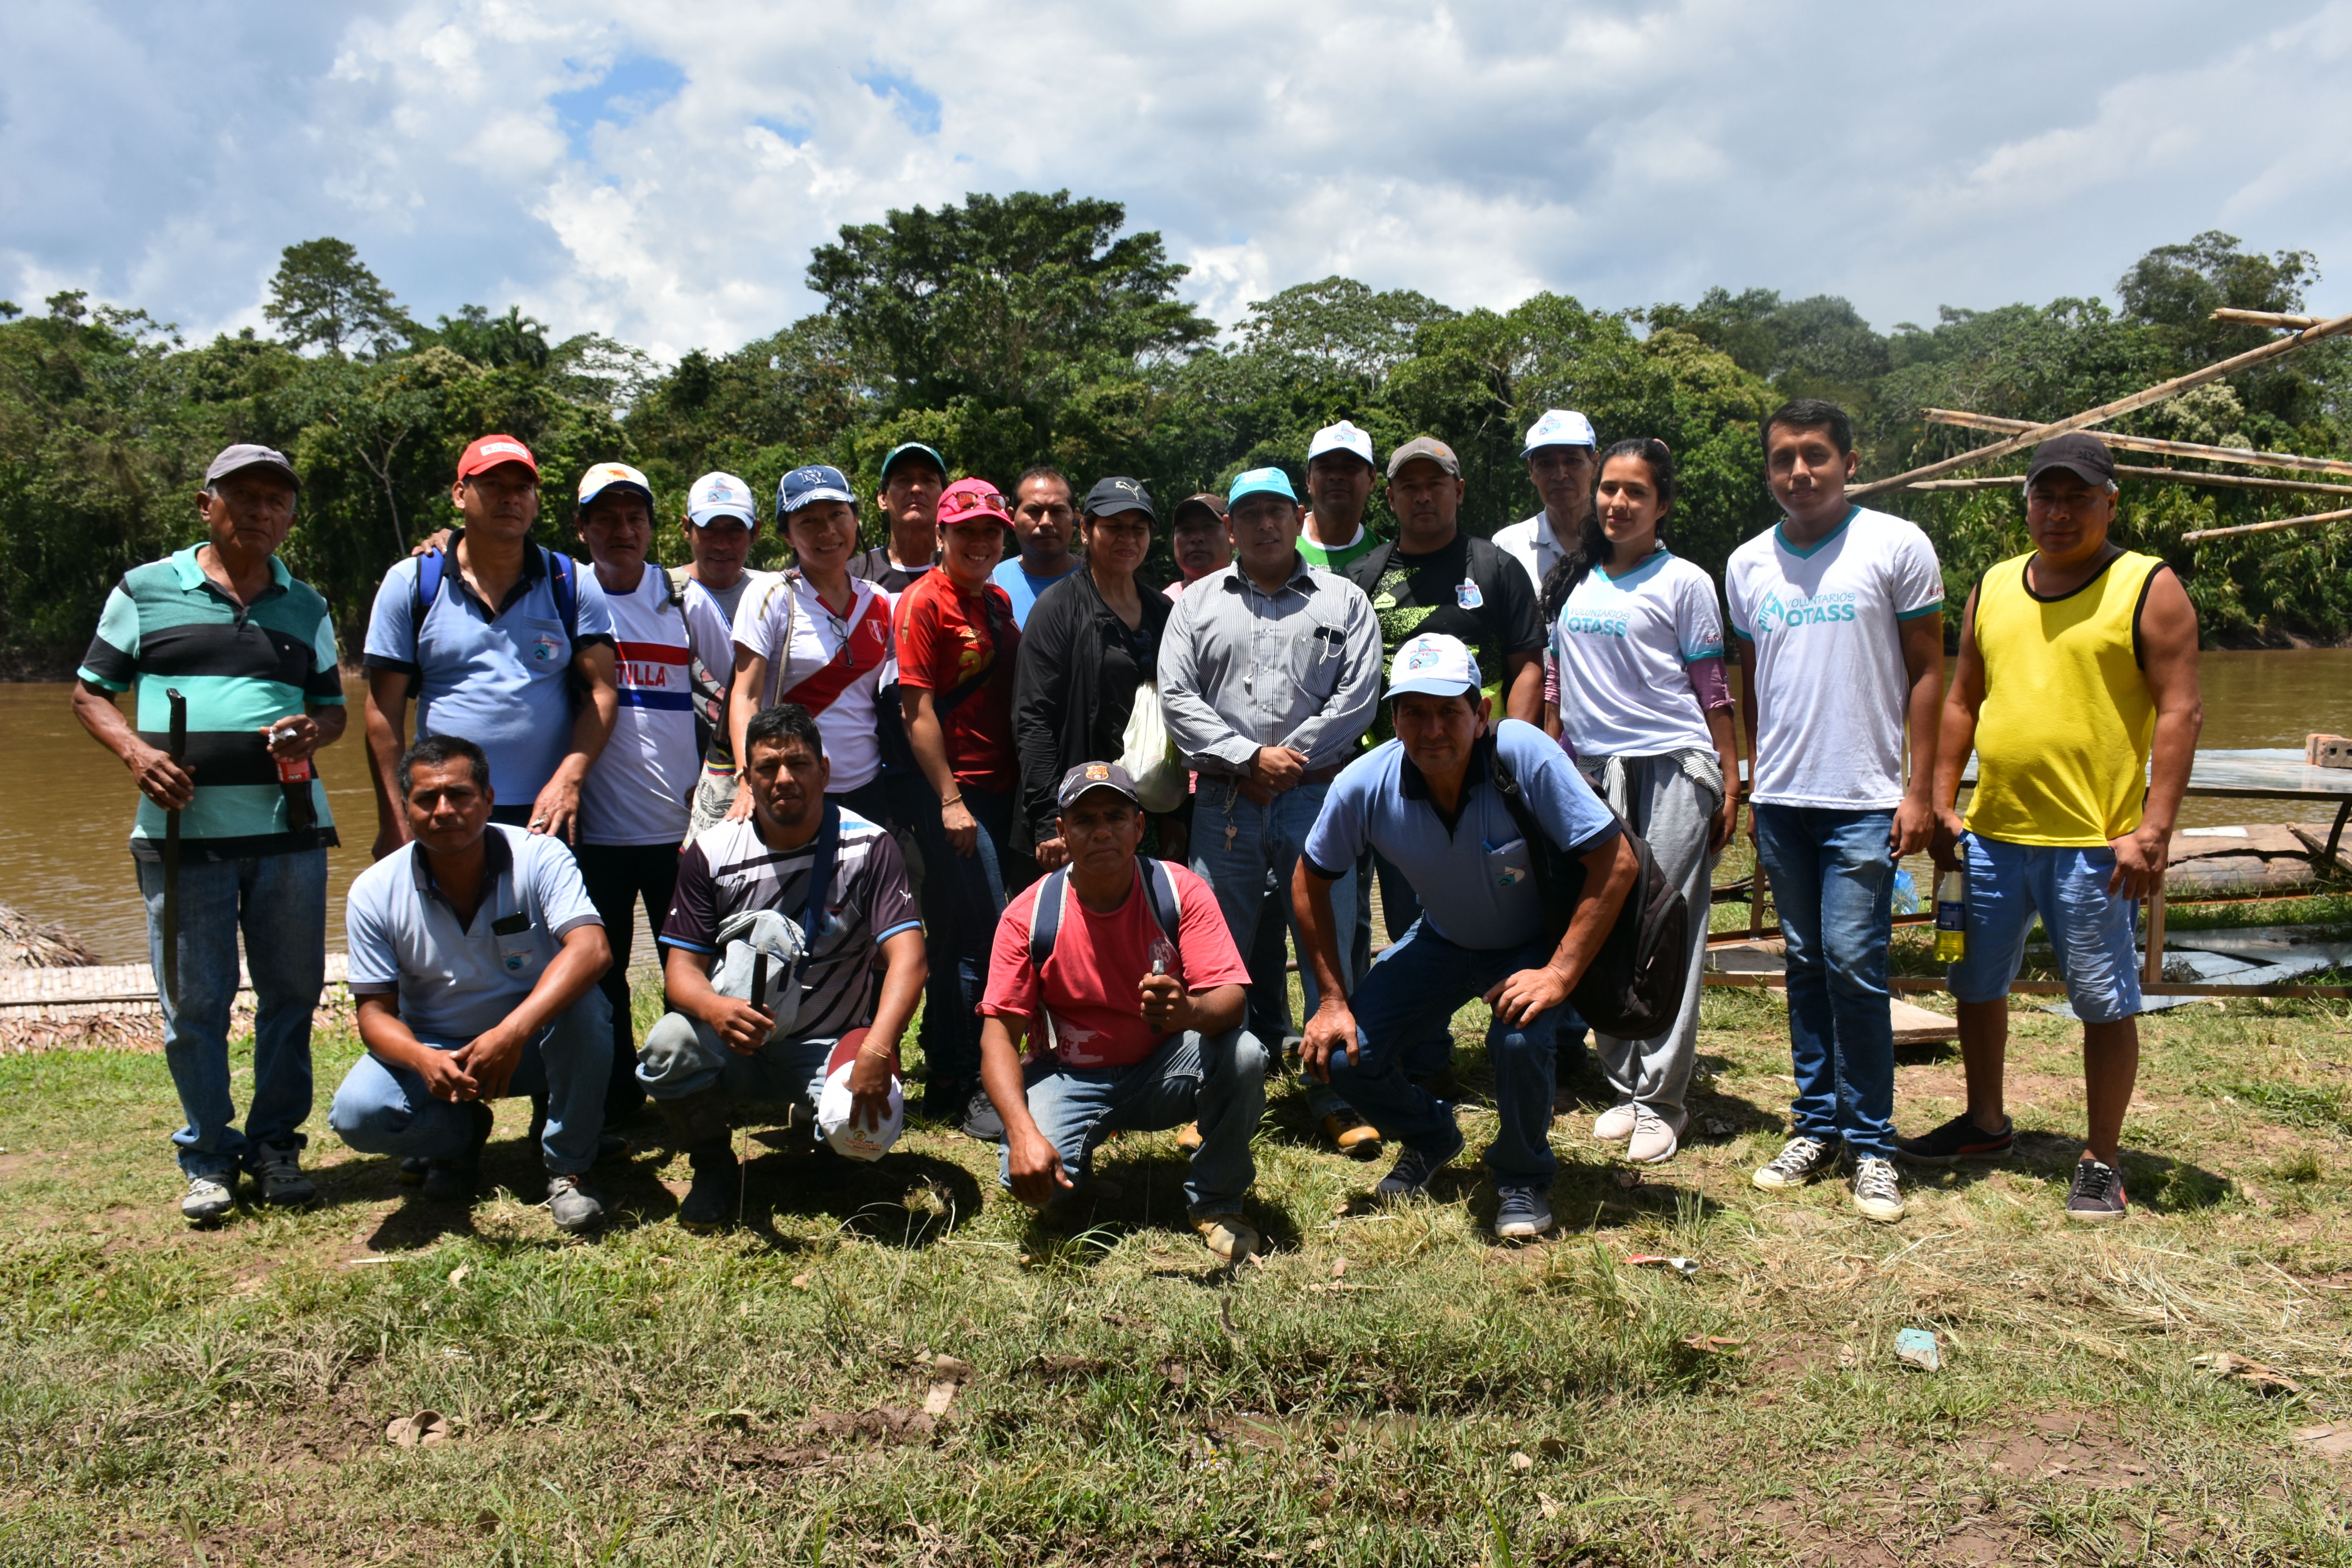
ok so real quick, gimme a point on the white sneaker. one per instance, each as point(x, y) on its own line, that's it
point(1878, 1191)
point(207, 1200)
point(1615, 1124)
point(1655, 1139)
point(1799, 1161)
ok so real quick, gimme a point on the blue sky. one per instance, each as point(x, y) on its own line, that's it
point(661, 172)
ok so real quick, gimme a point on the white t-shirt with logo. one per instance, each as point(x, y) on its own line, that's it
point(1826, 622)
point(1624, 646)
point(831, 665)
point(640, 789)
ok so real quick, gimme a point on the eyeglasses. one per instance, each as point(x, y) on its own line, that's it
point(963, 502)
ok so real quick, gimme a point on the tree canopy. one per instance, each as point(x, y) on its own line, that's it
point(1012, 329)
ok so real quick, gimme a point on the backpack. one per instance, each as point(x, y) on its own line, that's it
point(1159, 897)
point(761, 953)
point(564, 586)
point(1484, 561)
point(1632, 988)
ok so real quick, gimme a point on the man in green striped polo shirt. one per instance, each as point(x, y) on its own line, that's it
point(225, 626)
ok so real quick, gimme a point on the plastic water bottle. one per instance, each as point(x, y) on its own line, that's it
point(1952, 915)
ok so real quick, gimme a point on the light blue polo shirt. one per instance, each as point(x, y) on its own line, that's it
point(497, 680)
point(455, 981)
point(1021, 588)
point(1475, 879)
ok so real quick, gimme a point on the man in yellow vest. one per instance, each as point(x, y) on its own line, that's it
point(2078, 662)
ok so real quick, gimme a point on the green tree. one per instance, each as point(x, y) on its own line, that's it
point(324, 296)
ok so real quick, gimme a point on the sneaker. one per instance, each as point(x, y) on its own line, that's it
point(1413, 1170)
point(947, 1100)
point(1352, 1134)
point(1188, 1137)
point(981, 1120)
point(412, 1172)
point(207, 1200)
point(1615, 1124)
point(1799, 1161)
point(2099, 1194)
point(1959, 1138)
point(1878, 1191)
point(1521, 1214)
point(278, 1172)
point(1655, 1139)
point(712, 1203)
point(454, 1180)
point(572, 1209)
point(1229, 1238)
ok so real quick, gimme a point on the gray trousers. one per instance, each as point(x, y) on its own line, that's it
point(1674, 811)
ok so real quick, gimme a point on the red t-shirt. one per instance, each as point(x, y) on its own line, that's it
point(945, 637)
point(1090, 984)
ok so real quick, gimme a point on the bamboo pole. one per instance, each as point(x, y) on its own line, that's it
point(2121, 406)
point(2150, 444)
point(2178, 475)
point(2192, 538)
point(2266, 317)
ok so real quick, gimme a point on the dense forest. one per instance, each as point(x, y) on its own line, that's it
point(1023, 328)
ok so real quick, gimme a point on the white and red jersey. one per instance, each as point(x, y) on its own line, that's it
point(831, 665)
point(641, 788)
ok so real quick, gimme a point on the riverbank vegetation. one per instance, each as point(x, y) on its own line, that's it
point(890, 1364)
point(1011, 329)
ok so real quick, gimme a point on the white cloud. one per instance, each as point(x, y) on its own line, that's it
point(662, 172)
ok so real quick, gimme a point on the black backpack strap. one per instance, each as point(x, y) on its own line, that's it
point(1046, 918)
point(1160, 895)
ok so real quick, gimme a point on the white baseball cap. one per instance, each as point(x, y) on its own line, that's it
point(603, 477)
point(1341, 437)
point(1559, 428)
point(716, 494)
point(1433, 665)
point(848, 1136)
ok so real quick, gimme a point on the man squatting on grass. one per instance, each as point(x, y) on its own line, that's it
point(1427, 801)
point(715, 1051)
point(475, 954)
point(1836, 615)
point(2078, 661)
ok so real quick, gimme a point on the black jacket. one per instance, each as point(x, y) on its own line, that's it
point(1074, 688)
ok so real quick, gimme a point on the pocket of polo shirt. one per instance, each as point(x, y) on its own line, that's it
point(1315, 661)
point(1508, 865)
point(541, 645)
point(515, 953)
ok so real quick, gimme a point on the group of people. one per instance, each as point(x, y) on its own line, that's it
point(922, 777)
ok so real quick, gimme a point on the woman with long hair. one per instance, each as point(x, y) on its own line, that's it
point(1637, 634)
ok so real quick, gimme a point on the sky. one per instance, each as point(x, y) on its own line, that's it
point(661, 172)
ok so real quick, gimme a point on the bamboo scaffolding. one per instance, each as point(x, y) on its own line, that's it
point(2150, 444)
point(2178, 475)
point(2108, 411)
point(2266, 317)
point(2192, 537)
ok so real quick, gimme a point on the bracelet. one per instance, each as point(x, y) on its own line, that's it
point(951, 800)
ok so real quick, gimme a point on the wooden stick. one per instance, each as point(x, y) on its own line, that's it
point(2192, 538)
point(2150, 444)
point(2266, 317)
point(2121, 406)
point(2178, 475)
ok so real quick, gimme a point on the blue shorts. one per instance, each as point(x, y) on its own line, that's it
point(2091, 931)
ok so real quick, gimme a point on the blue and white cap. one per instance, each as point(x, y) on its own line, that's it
point(1341, 437)
point(1433, 665)
point(716, 494)
point(603, 477)
point(1261, 481)
point(805, 487)
point(1559, 428)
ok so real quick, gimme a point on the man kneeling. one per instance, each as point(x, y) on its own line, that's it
point(1125, 968)
point(816, 898)
point(474, 955)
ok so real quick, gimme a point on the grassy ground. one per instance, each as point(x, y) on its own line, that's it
point(1387, 1387)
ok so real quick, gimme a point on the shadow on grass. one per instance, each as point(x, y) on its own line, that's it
point(904, 1199)
point(2158, 1184)
point(1132, 1194)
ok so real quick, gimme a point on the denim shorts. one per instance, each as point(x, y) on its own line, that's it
point(2091, 931)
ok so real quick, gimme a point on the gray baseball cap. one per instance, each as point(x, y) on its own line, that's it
point(1429, 446)
point(235, 459)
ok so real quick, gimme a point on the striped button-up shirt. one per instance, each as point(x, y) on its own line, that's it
point(1241, 668)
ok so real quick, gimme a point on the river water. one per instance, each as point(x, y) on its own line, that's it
point(65, 803)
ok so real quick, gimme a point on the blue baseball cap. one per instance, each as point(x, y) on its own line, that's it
point(1433, 665)
point(805, 487)
point(1262, 481)
point(918, 448)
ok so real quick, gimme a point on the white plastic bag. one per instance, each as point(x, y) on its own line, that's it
point(1149, 755)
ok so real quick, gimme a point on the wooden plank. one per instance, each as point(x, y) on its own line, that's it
point(125, 982)
point(2313, 521)
point(2244, 455)
point(1915, 1026)
point(2108, 411)
point(2313, 836)
point(2265, 318)
point(2178, 476)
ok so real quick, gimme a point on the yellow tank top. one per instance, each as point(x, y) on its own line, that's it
point(2068, 719)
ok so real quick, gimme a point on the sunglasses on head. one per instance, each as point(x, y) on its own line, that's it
point(964, 501)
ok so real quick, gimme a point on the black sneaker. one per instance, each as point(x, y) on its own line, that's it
point(1959, 1138)
point(946, 1100)
point(2099, 1194)
point(712, 1202)
point(455, 1181)
point(981, 1120)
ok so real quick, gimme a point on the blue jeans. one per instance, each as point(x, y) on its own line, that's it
point(382, 1109)
point(962, 897)
point(1237, 845)
point(2092, 932)
point(279, 902)
point(1217, 1081)
point(1408, 998)
point(684, 1056)
point(1832, 876)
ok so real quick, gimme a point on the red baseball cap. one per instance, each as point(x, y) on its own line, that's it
point(968, 501)
point(489, 451)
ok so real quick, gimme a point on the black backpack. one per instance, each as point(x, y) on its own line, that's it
point(1632, 989)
